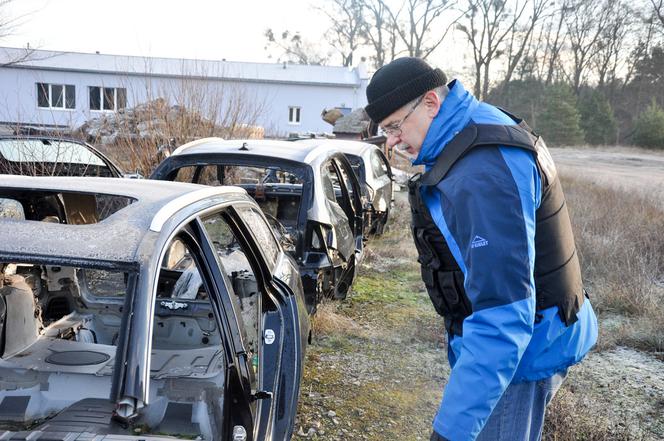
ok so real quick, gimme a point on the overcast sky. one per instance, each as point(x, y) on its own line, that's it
point(199, 29)
point(208, 29)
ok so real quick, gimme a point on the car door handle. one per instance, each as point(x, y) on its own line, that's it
point(260, 395)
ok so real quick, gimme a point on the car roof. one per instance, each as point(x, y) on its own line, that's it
point(300, 151)
point(357, 148)
point(114, 239)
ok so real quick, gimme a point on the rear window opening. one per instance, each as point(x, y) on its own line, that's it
point(60, 207)
point(47, 157)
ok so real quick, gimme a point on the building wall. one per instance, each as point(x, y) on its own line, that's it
point(212, 97)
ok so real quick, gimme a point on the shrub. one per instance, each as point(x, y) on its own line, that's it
point(649, 130)
point(597, 119)
point(559, 123)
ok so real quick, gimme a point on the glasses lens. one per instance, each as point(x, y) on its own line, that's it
point(392, 131)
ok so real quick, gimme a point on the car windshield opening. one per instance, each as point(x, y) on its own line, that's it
point(277, 190)
point(44, 157)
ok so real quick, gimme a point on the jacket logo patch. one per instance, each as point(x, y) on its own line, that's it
point(479, 241)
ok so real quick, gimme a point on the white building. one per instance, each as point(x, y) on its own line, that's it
point(65, 89)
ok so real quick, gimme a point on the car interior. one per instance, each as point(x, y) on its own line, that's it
point(278, 192)
point(60, 326)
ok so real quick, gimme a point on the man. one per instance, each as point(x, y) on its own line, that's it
point(496, 251)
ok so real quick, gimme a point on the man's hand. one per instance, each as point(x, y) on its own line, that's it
point(436, 437)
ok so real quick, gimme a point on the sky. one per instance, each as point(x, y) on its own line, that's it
point(201, 29)
point(197, 29)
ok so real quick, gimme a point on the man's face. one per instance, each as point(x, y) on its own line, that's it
point(407, 127)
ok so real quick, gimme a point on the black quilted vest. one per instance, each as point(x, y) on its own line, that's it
point(557, 272)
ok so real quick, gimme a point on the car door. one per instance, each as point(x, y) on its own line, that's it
point(266, 309)
point(340, 212)
point(352, 200)
point(382, 175)
point(196, 312)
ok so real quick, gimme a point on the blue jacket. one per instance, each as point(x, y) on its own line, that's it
point(492, 194)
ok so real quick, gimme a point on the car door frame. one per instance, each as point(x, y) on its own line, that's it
point(285, 366)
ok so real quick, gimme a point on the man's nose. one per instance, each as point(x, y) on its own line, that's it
point(392, 140)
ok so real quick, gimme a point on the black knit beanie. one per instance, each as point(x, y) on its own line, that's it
point(399, 82)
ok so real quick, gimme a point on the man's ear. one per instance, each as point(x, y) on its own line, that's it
point(432, 103)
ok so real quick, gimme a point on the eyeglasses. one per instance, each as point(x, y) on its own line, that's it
point(394, 129)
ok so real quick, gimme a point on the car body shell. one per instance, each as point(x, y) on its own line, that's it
point(374, 174)
point(330, 268)
point(135, 240)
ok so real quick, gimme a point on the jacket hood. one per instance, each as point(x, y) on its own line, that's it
point(453, 115)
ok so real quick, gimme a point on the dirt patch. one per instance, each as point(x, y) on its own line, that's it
point(623, 388)
point(623, 168)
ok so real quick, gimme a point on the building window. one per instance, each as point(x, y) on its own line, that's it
point(108, 98)
point(56, 96)
point(293, 115)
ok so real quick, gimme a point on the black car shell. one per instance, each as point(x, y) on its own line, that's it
point(215, 352)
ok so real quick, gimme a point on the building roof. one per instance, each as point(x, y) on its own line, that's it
point(114, 239)
point(173, 67)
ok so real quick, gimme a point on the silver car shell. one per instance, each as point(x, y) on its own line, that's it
point(313, 154)
point(363, 150)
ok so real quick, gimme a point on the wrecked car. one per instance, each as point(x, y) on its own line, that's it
point(309, 191)
point(376, 181)
point(52, 156)
point(139, 309)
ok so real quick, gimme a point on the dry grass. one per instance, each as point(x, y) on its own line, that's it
point(567, 419)
point(621, 246)
point(329, 322)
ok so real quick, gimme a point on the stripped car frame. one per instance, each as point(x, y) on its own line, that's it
point(310, 191)
point(374, 174)
point(145, 310)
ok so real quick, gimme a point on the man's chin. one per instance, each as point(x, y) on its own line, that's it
point(405, 153)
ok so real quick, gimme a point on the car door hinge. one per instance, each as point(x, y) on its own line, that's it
point(260, 395)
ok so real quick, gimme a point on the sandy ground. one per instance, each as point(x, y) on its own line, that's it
point(619, 167)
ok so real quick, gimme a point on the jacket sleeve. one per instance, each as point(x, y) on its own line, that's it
point(489, 224)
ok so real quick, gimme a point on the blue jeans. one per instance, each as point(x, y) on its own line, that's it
point(519, 415)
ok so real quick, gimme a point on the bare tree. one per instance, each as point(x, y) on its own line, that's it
point(585, 23)
point(417, 30)
point(520, 37)
point(169, 112)
point(658, 7)
point(486, 24)
point(294, 48)
point(641, 48)
point(378, 32)
point(8, 25)
point(612, 41)
point(555, 40)
point(346, 32)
